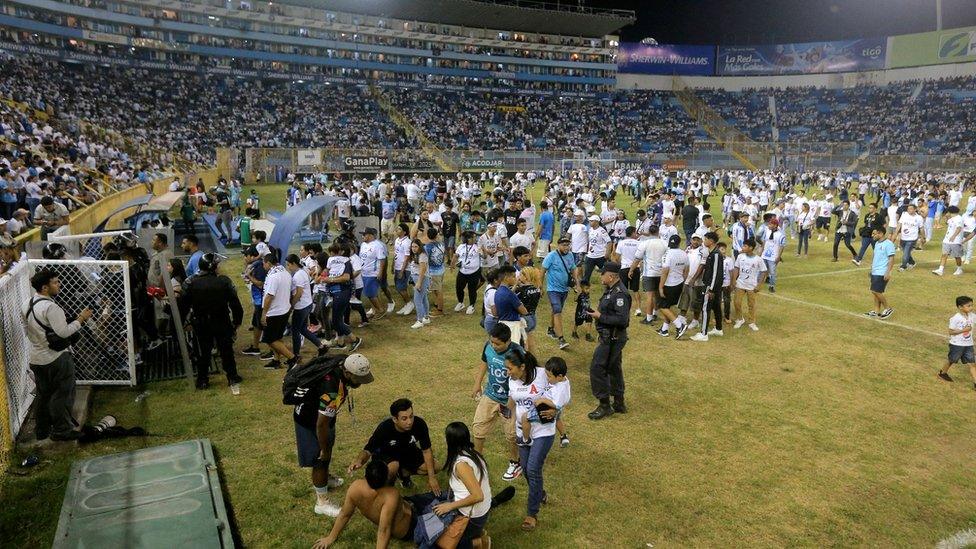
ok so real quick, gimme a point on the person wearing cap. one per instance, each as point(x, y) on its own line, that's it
point(606, 368)
point(674, 271)
point(315, 419)
point(209, 300)
point(559, 272)
point(598, 246)
point(373, 254)
point(8, 254)
point(19, 222)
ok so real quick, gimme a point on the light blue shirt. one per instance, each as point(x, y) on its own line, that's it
point(883, 251)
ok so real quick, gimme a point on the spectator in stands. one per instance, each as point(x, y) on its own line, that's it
point(51, 335)
point(50, 215)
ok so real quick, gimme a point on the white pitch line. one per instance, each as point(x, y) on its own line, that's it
point(855, 315)
point(966, 538)
point(827, 273)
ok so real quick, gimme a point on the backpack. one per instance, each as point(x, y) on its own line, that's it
point(298, 381)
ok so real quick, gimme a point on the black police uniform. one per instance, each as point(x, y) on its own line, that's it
point(211, 301)
point(606, 369)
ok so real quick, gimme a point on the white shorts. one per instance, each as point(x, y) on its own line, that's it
point(543, 249)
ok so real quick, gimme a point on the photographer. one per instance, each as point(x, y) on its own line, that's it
point(51, 336)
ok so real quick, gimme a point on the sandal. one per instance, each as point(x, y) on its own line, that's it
point(529, 524)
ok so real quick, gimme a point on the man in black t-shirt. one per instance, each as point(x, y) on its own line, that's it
point(512, 215)
point(403, 442)
point(449, 228)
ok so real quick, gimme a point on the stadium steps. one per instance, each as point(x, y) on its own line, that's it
point(401, 120)
point(753, 155)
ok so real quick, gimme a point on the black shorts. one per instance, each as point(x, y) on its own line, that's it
point(275, 329)
point(410, 459)
point(651, 284)
point(671, 296)
point(823, 223)
point(961, 353)
point(878, 284)
point(634, 280)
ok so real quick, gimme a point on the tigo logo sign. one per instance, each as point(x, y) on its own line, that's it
point(959, 44)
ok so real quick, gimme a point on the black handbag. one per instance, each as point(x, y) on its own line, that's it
point(54, 341)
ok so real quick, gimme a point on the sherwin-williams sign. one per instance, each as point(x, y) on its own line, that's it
point(634, 58)
point(932, 48)
point(864, 54)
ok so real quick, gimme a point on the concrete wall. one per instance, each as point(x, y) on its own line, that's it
point(833, 81)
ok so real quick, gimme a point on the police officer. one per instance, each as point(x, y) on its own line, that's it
point(606, 369)
point(210, 302)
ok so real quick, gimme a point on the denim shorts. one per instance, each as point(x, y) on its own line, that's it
point(556, 300)
point(401, 281)
point(529, 322)
point(371, 286)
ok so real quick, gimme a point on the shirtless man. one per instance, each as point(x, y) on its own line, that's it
point(394, 516)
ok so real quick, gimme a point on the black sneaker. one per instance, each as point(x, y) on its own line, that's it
point(273, 365)
point(267, 356)
point(355, 344)
point(772, 289)
point(203, 385)
point(563, 343)
point(551, 333)
point(682, 330)
point(886, 313)
point(601, 411)
point(294, 361)
point(252, 351)
point(619, 407)
point(645, 321)
point(872, 314)
point(945, 376)
point(662, 332)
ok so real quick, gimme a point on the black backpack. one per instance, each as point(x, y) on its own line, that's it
point(300, 379)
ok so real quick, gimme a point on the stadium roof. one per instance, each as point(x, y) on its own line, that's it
point(550, 17)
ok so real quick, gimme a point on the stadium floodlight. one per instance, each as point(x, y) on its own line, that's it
point(649, 41)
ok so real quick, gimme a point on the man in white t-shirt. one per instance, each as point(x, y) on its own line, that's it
point(520, 238)
point(674, 270)
point(961, 339)
point(747, 277)
point(625, 253)
point(373, 254)
point(598, 243)
point(649, 256)
point(275, 307)
point(952, 243)
point(910, 226)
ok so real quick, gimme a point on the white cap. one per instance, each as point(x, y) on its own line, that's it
point(590, 208)
point(595, 218)
point(579, 213)
point(357, 367)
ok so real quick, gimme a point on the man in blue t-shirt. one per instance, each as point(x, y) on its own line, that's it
point(508, 306)
point(547, 224)
point(191, 246)
point(493, 398)
point(434, 248)
point(557, 269)
point(254, 275)
point(881, 264)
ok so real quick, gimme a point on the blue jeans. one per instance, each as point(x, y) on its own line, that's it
point(340, 304)
point(299, 328)
point(906, 253)
point(420, 293)
point(804, 243)
point(771, 272)
point(532, 458)
point(866, 242)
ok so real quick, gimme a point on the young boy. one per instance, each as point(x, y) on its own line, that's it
point(727, 267)
point(961, 339)
point(582, 308)
point(557, 396)
point(747, 278)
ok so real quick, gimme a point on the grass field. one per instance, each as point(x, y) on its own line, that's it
point(825, 428)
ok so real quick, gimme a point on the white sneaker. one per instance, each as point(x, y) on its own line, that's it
point(754, 328)
point(458, 307)
point(389, 307)
point(402, 310)
point(738, 323)
point(370, 313)
point(694, 324)
point(408, 308)
point(513, 472)
point(957, 272)
point(235, 389)
point(716, 332)
point(638, 312)
point(968, 261)
point(426, 320)
point(417, 324)
point(335, 482)
point(327, 508)
point(699, 337)
point(469, 310)
point(937, 271)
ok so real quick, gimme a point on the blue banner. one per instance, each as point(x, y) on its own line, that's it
point(635, 58)
point(863, 54)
